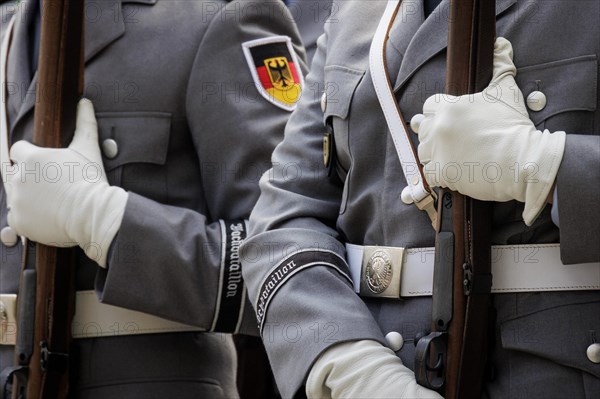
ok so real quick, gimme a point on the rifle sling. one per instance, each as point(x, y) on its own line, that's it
point(417, 188)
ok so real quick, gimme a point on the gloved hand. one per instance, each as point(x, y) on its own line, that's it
point(363, 369)
point(485, 146)
point(61, 197)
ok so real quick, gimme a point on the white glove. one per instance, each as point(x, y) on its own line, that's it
point(485, 146)
point(61, 197)
point(363, 369)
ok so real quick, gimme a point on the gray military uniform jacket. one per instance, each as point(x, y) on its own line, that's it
point(310, 17)
point(172, 88)
point(294, 261)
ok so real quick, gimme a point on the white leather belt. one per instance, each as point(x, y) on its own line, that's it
point(392, 272)
point(93, 319)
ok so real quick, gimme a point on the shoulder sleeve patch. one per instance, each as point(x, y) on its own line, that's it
point(275, 69)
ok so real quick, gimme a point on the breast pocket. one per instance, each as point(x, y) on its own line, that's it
point(134, 150)
point(340, 85)
point(550, 343)
point(570, 90)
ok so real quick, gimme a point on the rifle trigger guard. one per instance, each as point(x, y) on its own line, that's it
point(6, 381)
point(430, 360)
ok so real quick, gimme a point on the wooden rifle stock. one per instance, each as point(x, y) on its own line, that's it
point(469, 69)
point(453, 356)
point(60, 85)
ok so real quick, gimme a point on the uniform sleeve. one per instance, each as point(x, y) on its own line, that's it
point(578, 185)
point(298, 280)
point(184, 265)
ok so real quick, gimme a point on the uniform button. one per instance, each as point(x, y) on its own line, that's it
point(415, 122)
point(394, 340)
point(8, 236)
point(110, 148)
point(536, 101)
point(406, 196)
point(324, 102)
point(593, 353)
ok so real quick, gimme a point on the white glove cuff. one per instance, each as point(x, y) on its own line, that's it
point(363, 369)
point(106, 217)
point(538, 186)
point(338, 367)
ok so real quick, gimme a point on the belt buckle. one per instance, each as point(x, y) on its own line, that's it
point(8, 333)
point(381, 272)
point(3, 320)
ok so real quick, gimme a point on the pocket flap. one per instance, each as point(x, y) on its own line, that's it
point(141, 137)
point(569, 85)
point(561, 334)
point(340, 84)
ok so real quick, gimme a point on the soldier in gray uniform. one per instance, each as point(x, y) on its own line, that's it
point(190, 98)
point(313, 236)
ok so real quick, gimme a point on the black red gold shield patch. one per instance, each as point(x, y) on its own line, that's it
point(274, 67)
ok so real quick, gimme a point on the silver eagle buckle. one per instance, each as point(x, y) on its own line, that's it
point(381, 272)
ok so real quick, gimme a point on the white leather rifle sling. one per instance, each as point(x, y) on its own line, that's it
point(4, 144)
point(417, 190)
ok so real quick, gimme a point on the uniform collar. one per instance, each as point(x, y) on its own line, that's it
point(430, 39)
point(104, 24)
point(18, 69)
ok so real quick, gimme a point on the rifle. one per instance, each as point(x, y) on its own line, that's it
point(45, 360)
point(454, 355)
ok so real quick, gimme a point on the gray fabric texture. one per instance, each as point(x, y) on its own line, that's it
point(580, 237)
point(556, 46)
point(310, 17)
